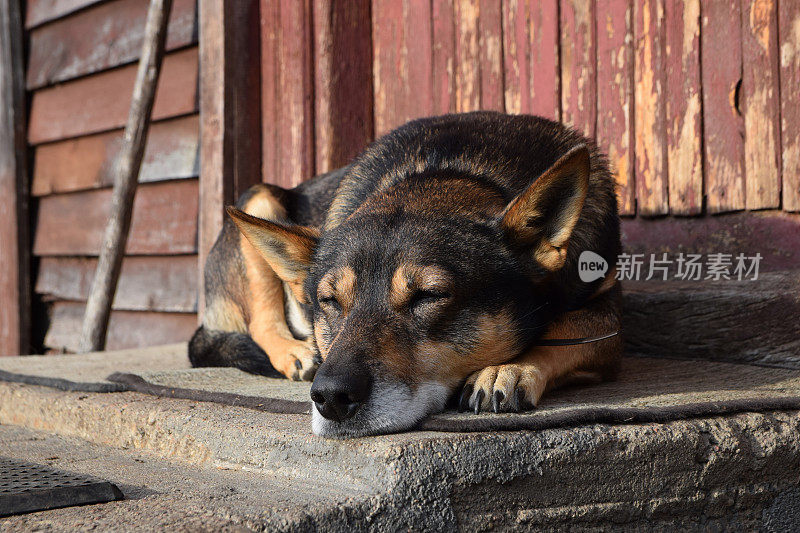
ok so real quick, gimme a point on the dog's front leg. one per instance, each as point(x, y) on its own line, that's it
point(520, 383)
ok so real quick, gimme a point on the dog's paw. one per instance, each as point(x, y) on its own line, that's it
point(298, 361)
point(503, 388)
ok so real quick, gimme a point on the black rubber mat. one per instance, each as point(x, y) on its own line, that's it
point(27, 487)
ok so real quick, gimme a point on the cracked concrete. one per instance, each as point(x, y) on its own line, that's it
point(740, 471)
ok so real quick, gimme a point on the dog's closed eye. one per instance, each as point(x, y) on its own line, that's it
point(423, 298)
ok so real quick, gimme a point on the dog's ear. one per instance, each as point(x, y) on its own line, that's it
point(543, 216)
point(287, 248)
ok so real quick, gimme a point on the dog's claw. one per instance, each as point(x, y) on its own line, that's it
point(478, 401)
point(318, 359)
point(497, 398)
point(463, 402)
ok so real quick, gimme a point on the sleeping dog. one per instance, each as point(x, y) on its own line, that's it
point(431, 267)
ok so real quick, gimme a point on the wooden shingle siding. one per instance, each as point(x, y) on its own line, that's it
point(100, 102)
point(761, 104)
point(101, 37)
point(172, 152)
point(789, 46)
point(164, 221)
point(125, 328)
point(146, 283)
point(40, 11)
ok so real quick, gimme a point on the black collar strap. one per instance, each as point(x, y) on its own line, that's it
point(570, 342)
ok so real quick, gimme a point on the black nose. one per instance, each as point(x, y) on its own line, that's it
point(338, 396)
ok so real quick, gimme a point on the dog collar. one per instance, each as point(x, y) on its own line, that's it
point(570, 342)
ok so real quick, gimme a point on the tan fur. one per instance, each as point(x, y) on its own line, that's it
point(410, 278)
point(542, 368)
point(267, 324)
point(496, 343)
point(339, 284)
point(551, 250)
point(226, 315)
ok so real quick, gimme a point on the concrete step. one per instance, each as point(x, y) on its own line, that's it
point(162, 495)
point(749, 321)
point(724, 472)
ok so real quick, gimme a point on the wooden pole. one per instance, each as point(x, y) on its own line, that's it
point(15, 289)
point(126, 174)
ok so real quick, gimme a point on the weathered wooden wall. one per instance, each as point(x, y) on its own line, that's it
point(80, 71)
point(690, 129)
point(696, 104)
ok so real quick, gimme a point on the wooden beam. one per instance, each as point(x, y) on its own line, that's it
point(615, 95)
point(230, 112)
point(789, 38)
point(723, 128)
point(684, 121)
point(164, 221)
point(650, 119)
point(116, 28)
point(343, 81)
point(86, 162)
point(761, 104)
point(100, 102)
point(146, 283)
point(14, 229)
point(579, 65)
point(38, 12)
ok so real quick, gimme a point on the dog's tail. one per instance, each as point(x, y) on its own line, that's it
point(227, 348)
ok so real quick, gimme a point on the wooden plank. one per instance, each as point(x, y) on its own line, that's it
point(164, 221)
point(230, 118)
point(468, 73)
point(789, 36)
point(723, 128)
point(545, 62)
point(126, 329)
point(443, 61)
point(684, 121)
point(86, 162)
point(388, 70)
point(40, 11)
point(578, 65)
point(101, 37)
point(269, 16)
point(761, 104)
point(650, 105)
point(100, 102)
point(14, 231)
point(530, 50)
point(343, 81)
point(615, 95)
point(402, 62)
point(296, 70)
point(490, 26)
point(515, 56)
point(146, 283)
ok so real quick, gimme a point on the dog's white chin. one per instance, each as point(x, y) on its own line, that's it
point(391, 407)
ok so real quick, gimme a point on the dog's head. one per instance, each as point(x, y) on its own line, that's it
point(422, 285)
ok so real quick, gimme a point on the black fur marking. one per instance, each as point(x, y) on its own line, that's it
point(224, 348)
